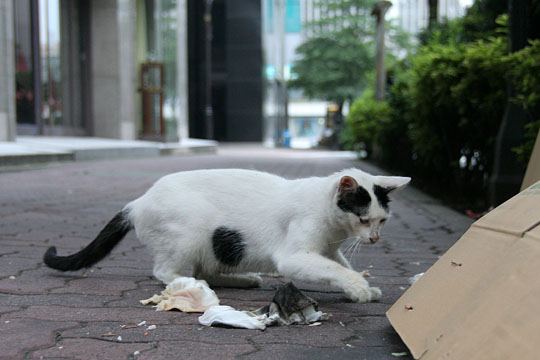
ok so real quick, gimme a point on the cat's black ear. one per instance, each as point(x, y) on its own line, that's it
point(347, 184)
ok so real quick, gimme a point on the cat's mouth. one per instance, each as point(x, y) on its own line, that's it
point(369, 240)
point(374, 239)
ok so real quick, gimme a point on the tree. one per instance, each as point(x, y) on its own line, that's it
point(339, 52)
point(479, 21)
point(433, 6)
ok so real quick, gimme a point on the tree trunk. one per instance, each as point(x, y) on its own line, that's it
point(508, 172)
point(433, 6)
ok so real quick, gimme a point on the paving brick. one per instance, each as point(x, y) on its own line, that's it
point(301, 352)
point(21, 335)
point(305, 335)
point(192, 332)
point(72, 300)
point(131, 315)
point(90, 349)
point(97, 286)
point(167, 350)
point(31, 282)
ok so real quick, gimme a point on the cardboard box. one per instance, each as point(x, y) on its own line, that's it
point(532, 174)
point(481, 300)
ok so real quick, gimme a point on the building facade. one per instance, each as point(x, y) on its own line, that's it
point(290, 119)
point(130, 69)
point(77, 67)
point(225, 70)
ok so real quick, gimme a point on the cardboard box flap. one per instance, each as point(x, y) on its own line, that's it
point(426, 310)
point(534, 234)
point(499, 319)
point(517, 215)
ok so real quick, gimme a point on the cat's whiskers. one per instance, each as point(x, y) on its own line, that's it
point(356, 245)
point(349, 246)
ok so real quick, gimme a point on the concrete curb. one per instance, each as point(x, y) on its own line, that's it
point(29, 150)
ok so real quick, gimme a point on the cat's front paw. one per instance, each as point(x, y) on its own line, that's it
point(252, 281)
point(364, 294)
point(376, 293)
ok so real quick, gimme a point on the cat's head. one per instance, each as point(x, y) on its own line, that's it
point(362, 202)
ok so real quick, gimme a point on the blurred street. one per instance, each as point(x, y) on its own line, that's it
point(47, 314)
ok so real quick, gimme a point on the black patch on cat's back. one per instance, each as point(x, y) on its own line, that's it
point(356, 202)
point(228, 245)
point(382, 196)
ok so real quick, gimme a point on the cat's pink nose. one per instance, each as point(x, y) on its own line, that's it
point(374, 238)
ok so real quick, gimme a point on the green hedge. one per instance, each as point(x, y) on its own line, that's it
point(524, 71)
point(366, 119)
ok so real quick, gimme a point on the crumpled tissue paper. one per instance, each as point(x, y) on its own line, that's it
point(186, 294)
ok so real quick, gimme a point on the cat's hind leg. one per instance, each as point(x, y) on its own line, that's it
point(168, 267)
point(164, 274)
point(231, 280)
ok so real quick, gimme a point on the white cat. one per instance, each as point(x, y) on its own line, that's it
point(225, 223)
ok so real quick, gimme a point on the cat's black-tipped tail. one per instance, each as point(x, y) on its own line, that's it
point(106, 240)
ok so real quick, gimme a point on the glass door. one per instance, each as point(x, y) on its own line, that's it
point(27, 74)
point(51, 66)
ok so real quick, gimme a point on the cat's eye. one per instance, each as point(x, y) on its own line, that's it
point(383, 221)
point(364, 221)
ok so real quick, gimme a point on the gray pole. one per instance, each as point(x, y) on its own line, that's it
point(379, 11)
point(280, 73)
point(182, 70)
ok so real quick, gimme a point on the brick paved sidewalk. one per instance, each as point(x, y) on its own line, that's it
point(47, 314)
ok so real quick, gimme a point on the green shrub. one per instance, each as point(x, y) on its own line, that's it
point(458, 96)
point(365, 120)
point(524, 71)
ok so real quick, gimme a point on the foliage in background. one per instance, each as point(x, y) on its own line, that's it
point(338, 53)
point(457, 97)
point(483, 20)
point(366, 119)
point(479, 21)
point(333, 66)
point(444, 106)
point(524, 71)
